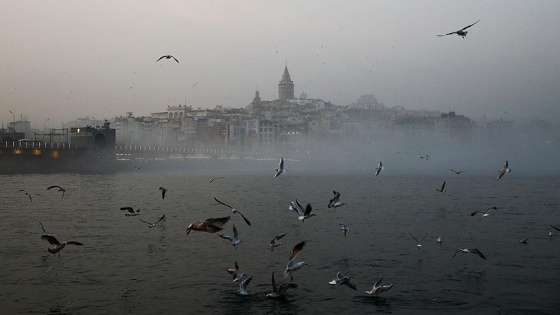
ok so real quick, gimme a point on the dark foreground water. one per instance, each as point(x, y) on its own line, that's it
point(126, 267)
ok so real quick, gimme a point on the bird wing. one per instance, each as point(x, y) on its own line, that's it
point(160, 219)
point(414, 238)
point(160, 58)
point(42, 228)
point(464, 28)
point(423, 238)
point(244, 218)
point(378, 282)
point(150, 223)
point(443, 185)
point(225, 204)
point(235, 232)
point(51, 239)
point(273, 283)
point(472, 214)
point(295, 251)
point(556, 228)
point(476, 251)
point(446, 35)
point(281, 165)
point(285, 286)
point(54, 186)
point(279, 236)
point(218, 221)
point(175, 59)
point(74, 243)
point(129, 209)
point(308, 209)
point(227, 237)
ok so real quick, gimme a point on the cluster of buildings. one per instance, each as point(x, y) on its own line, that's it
point(276, 124)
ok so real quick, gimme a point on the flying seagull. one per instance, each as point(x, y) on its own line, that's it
point(344, 227)
point(439, 240)
point(523, 240)
point(58, 188)
point(281, 290)
point(234, 211)
point(342, 279)
point(334, 202)
point(379, 168)
point(378, 289)
point(243, 285)
point(163, 191)
point(151, 225)
point(275, 241)
point(457, 172)
point(237, 275)
point(213, 179)
point(280, 170)
point(303, 213)
point(131, 211)
point(292, 264)
point(235, 241)
point(417, 242)
point(485, 213)
point(57, 246)
point(442, 189)
point(462, 31)
point(503, 171)
point(211, 225)
point(167, 57)
point(469, 251)
point(28, 195)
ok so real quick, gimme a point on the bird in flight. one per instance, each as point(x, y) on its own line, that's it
point(457, 172)
point(342, 279)
point(211, 225)
point(292, 264)
point(469, 251)
point(303, 213)
point(275, 241)
point(281, 290)
point(485, 213)
point(378, 289)
point(235, 241)
point(378, 168)
point(280, 170)
point(58, 188)
point(163, 191)
point(417, 242)
point(237, 275)
point(503, 171)
point(462, 32)
point(344, 228)
point(213, 179)
point(167, 57)
point(234, 211)
point(442, 189)
point(334, 202)
point(28, 195)
point(151, 225)
point(57, 246)
point(131, 211)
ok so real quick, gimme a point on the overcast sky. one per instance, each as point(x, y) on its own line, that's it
point(65, 59)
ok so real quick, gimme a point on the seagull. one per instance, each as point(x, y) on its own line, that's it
point(470, 251)
point(243, 286)
point(279, 291)
point(280, 170)
point(334, 202)
point(235, 241)
point(442, 188)
point(151, 225)
point(523, 240)
point(342, 279)
point(234, 211)
point(485, 213)
point(344, 227)
point(378, 289)
point(237, 275)
point(550, 233)
point(457, 172)
point(418, 243)
point(28, 195)
point(303, 213)
point(131, 211)
point(57, 246)
point(167, 57)
point(211, 225)
point(378, 168)
point(503, 171)
point(163, 191)
point(58, 188)
point(274, 242)
point(427, 157)
point(292, 264)
point(462, 31)
point(439, 240)
point(213, 179)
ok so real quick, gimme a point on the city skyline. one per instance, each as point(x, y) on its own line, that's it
point(66, 60)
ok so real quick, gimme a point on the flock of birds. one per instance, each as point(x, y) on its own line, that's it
point(215, 225)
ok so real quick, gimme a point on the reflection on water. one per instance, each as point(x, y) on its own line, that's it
point(126, 267)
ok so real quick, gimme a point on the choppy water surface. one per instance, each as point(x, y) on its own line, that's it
point(127, 267)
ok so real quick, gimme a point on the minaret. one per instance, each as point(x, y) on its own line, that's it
point(286, 86)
